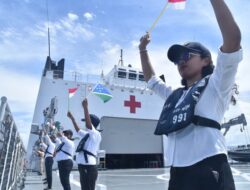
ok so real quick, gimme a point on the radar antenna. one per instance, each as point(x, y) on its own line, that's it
point(47, 8)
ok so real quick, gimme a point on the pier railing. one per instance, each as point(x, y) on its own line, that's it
point(12, 150)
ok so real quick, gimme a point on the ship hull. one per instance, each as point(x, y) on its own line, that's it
point(240, 155)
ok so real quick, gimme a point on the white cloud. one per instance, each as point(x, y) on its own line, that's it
point(72, 29)
point(88, 16)
point(110, 48)
point(72, 16)
point(64, 31)
point(21, 91)
point(135, 43)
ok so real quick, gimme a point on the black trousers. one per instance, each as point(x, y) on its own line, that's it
point(88, 176)
point(48, 169)
point(65, 167)
point(213, 173)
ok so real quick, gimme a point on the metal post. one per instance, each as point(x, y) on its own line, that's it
point(2, 107)
point(6, 156)
point(11, 163)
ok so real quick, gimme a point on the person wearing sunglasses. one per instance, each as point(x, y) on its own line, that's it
point(191, 115)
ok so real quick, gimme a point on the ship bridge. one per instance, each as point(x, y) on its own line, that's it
point(125, 76)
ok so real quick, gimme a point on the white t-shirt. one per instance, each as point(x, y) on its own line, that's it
point(68, 147)
point(195, 143)
point(50, 145)
point(92, 145)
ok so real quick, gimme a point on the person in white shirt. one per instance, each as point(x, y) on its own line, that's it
point(64, 157)
point(191, 116)
point(87, 148)
point(49, 148)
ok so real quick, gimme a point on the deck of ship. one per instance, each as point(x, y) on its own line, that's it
point(133, 179)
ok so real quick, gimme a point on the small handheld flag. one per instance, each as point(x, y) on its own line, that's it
point(72, 92)
point(178, 4)
point(102, 92)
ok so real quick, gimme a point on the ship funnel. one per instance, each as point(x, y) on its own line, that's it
point(57, 69)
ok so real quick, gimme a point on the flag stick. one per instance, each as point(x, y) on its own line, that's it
point(158, 18)
point(68, 102)
point(86, 89)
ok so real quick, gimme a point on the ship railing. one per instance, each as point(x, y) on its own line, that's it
point(125, 84)
point(12, 151)
point(73, 76)
point(239, 147)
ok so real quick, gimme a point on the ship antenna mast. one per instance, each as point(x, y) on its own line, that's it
point(121, 58)
point(47, 7)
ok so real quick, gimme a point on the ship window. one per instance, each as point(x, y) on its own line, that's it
point(132, 74)
point(122, 74)
point(141, 77)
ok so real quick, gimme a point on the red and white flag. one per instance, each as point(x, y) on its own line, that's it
point(72, 92)
point(178, 4)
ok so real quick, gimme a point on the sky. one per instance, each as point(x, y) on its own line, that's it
point(89, 35)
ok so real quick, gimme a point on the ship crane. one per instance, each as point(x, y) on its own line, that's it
point(235, 121)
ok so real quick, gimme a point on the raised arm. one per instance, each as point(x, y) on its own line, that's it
point(229, 28)
point(86, 113)
point(147, 68)
point(73, 121)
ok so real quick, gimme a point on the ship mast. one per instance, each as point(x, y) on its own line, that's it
point(47, 8)
point(121, 58)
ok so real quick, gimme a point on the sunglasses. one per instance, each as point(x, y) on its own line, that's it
point(184, 57)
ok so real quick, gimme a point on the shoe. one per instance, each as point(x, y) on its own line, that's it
point(45, 179)
point(45, 182)
point(39, 173)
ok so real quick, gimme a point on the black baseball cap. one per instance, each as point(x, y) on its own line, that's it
point(94, 120)
point(68, 132)
point(175, 51)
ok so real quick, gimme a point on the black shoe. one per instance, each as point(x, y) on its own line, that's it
point(45, 182)
point(45, 179)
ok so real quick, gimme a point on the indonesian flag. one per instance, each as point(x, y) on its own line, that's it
point(178, 4)
point(72, 92)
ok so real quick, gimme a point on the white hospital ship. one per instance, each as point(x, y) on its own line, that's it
point(128, 120)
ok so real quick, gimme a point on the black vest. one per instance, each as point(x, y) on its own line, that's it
point(47, 152)
point(174, 117)
point(80, 148)
point(59, 148)
point(81, 144)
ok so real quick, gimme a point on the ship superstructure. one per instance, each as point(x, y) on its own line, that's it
point(128, 120)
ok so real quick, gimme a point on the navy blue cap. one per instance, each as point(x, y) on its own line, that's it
point(175, 51)
point(68, 132)
point(94, 120)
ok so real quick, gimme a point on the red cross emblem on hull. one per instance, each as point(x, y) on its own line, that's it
point(132, 104)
